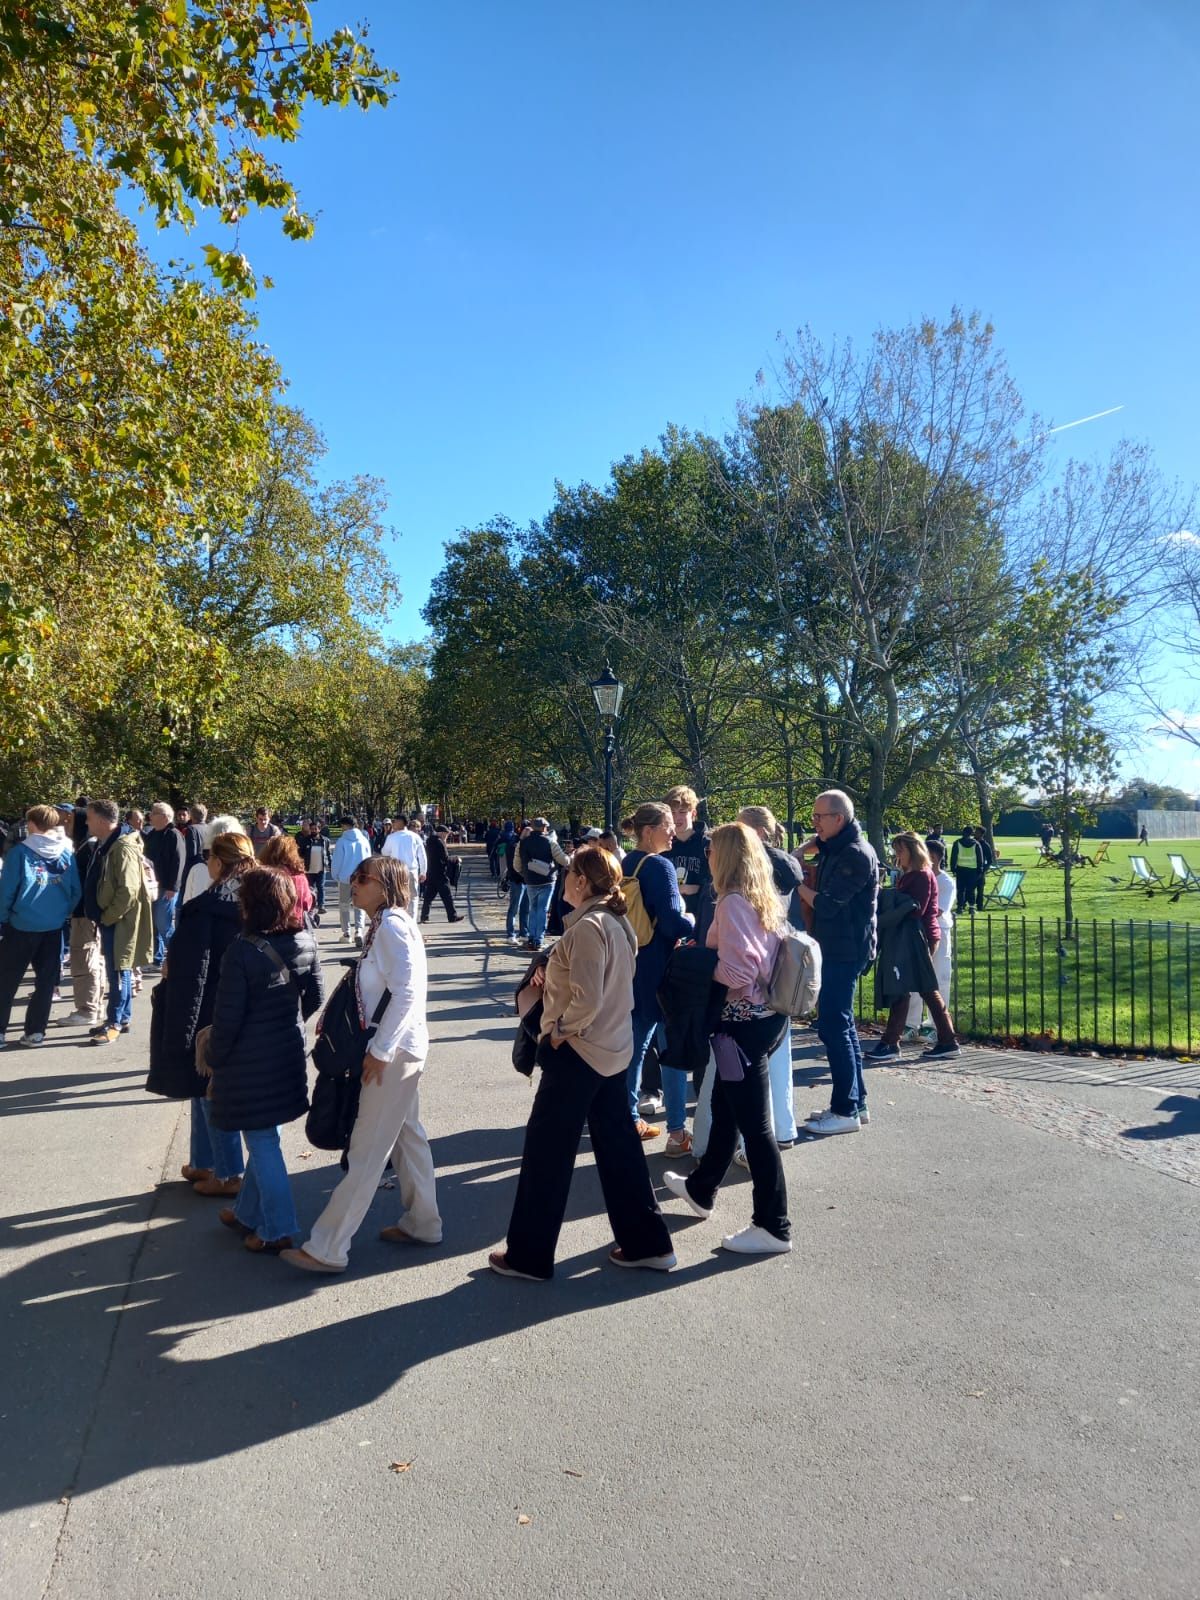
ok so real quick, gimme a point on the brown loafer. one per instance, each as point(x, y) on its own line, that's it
point(218, 1188)
point(270, 1247)
point(400, 1235)
point(307, 1263)
point(195, 1174)
point(231, 1219)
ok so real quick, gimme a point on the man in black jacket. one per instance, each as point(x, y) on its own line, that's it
point(166, 852)
point(437, 878)
point(843, 907)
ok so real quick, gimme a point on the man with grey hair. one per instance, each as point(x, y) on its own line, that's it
point(165, 852)
point(842, 898)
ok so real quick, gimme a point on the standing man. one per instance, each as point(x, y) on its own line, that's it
point(115, 896)
point(193, 837)
point(86, 956)
point(408, 847)
point(540, 859)
point(843, 907)
point(351, 850)
point(516, 923)
point(263, 830)
point(966, 863)
point(437, 880)
point(165, 853)
point(689, 857)
point(314, 852)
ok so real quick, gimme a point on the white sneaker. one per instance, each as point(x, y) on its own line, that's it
point(864, 1116)
point(739, 1158)
point(911, 1035)
point(756, 1242)
point(677, 1184)
point(83, 1019)
point(33, 1038)
point(830, 1122)
point(652, 1106)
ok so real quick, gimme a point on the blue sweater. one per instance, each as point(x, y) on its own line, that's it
point(660, 895)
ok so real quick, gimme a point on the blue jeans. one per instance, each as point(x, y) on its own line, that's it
point(837, 1032)
point(539, 906)
point(218, 1152)
point(164, 926)
point(120, 983)
point(674, 1079)
point(265, 1203)
point(518, 910)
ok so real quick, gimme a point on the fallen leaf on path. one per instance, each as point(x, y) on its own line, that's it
point(401, 1466)
point(523, 1519)
point(306, 1155)
point(976, 1394)
point(1118, 1516)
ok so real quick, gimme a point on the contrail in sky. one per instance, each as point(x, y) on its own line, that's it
point(1062, 428)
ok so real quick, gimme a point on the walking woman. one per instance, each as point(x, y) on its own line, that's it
point(270, 979)
point(586, 1037)
point(908, 932)
point(182, 1004)
point(653, 830)
point(388, 1122)
point(745, 934)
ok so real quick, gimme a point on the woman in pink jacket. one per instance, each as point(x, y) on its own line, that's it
point(745, 933)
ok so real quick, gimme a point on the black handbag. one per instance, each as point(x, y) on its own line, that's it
point(338, 1056)
point(453, 870)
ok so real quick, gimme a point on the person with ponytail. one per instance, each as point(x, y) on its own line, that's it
point(653, 829)
point(586, 1039)
point(745, 933)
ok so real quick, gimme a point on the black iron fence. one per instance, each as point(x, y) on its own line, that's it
point(1108, 985)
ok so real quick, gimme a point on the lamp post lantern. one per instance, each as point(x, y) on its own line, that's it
point(608, 691)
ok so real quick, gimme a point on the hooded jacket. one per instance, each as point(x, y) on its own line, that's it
point(124, 901)
point(39, 885)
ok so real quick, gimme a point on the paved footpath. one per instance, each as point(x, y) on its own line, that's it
point(975, 1376)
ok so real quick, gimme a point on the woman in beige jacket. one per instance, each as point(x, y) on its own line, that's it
point(586, 1040)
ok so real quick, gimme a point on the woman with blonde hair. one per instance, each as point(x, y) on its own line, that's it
point(391, 982)
point(586, 1035)
point(745, 933)
point(182, 1004)
point(788, 875)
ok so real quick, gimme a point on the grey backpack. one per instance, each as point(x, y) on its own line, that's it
point(796, 975)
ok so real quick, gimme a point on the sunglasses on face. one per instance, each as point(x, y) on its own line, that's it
point(358, 876)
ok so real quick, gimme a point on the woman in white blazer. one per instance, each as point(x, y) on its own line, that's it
point(388, 1122)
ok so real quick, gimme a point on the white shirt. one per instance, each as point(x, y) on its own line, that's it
point(408, 847)
point(946, 891)
point(395, 960)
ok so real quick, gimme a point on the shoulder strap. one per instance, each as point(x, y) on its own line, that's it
point(640, 865)
point(270, 951)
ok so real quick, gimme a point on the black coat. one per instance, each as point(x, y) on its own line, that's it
point(166, 851)
point(691, 1004)
point(847, 877)
point(904, 965)
point(437, 859)
point(256, 1048)
point(183, 1002)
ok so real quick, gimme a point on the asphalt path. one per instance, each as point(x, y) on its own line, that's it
point(975, 1376)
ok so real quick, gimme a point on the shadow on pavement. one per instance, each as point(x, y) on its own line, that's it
point(1186, 1120)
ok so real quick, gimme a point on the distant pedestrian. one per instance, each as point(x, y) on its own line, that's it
point(437, 880)
point(283, 852)
point(315, 854)
point(165, 851)
point(987, 860)
point(116, 897)
point(966, 863)
point(263, 830)
point(39, 888)
point(909, 931)
point(1143, 834)
point(351, 850)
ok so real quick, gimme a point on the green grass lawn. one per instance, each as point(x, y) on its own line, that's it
point(1128, 980)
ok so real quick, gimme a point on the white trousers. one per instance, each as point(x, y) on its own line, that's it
point(387, 1124)
point(348, 912)
point(941, 965)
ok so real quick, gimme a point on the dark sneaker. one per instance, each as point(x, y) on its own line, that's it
point(941, 1051)
point(882, 1052)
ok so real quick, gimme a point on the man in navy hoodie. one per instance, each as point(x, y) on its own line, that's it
point(38, 890)
point(843, 906)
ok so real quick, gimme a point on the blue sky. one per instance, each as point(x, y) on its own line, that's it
point(575, 224)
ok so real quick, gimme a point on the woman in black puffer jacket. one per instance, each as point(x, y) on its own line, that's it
point(182, 1004)
point(270, 979)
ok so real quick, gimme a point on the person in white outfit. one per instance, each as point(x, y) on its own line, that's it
point(351, 850)
point(388, 1121)
point(941, 951)
point(404, 845)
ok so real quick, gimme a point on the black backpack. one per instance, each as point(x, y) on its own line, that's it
point(338, 1056)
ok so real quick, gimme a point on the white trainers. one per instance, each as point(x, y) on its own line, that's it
point(33, 1038)
point(677, 1184)
point(653, 1105)
point(830, 1122)
point(864, 1116)
point(83, 1019)
point(739, 1158)
point(754, 1241)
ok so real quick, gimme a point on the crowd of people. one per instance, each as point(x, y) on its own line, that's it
point(657, 983)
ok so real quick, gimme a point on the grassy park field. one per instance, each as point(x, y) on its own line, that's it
point(1127, 980)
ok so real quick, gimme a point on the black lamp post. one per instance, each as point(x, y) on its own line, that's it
point(608, 691)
